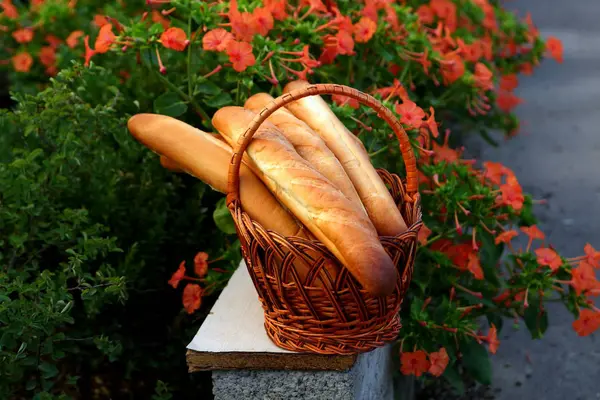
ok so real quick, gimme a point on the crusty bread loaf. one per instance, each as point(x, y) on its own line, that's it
point(207, 158)
point(308, 144)
point(335, 220)
point(374, 194)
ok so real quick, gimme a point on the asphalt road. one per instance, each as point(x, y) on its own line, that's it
point(557, 158)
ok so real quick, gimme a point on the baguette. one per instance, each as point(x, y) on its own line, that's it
point(323, 209)
point(308, 145)
point(374, 194)
point(207, 158)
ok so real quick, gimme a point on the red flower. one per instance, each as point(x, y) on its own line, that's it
point(453, 68)
point(240, 55)
point(506, 101)
point(431, 124)
point(555, 48)
point(474, 266)
point(53, 41)
point(24, 35)
point(340, 44)
point(10, 11)
point(483, 77)
point(364, 30)
point(89, 53)
point(192, 297)
point(201, 264)
point(178, 275)
point(509, 82)
point(174, 39)
point(592, 256)
point(47, 56)
point(533, 232)
point(423, 235)
point(506, 237)
point(439, 362)
point(548, 257)
point(512, 194)
point(277, 8)
point(73, 38)
point(104, 40)
point(216, 39)
point(584, 279)
point(341, 100)
point(100, 20)
point(242, 24)
point(425, 14)
point(158, 18)
point(263, 21)
point(414, 363)
point(22, 62)
point(495, 171)
point(470, 52)
point(445, 10)
point(492, 339)
point(412, 115)
point(588, 322)
point(391, 91)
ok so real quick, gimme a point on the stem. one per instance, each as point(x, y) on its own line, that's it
point(189, 57)
point(381, 150)
point(433, 239)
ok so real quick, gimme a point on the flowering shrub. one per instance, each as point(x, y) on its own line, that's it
point(444, 66)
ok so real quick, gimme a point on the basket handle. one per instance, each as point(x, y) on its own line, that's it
point(410, 162)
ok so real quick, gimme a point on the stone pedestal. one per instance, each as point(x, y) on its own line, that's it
point(247, 365)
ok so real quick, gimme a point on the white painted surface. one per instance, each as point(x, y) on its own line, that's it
point(236, 321)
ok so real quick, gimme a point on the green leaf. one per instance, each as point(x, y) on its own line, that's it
point(536, 319)
point(169, 104)
point(477, 361)
point(223, 218)
point(155, 29)
point(207, 87)
point(454, 379)
point(486, 136)
point(220, 100)
point(48, 370)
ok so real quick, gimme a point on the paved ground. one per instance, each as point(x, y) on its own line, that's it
point(557, 157)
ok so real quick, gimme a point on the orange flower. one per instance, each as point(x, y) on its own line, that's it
point(216, 39)
point(584, 279)
point(192, 297)
point(178, 275)
point(201, 264)
point(470, 52)
point(592, 256)
point(489, 21)
point(512, 194)
point(423, 235)
point(494, 172)
point(174, 39)
point(89, 53)
point(73, 38)
point(412, 115)
point(474, 266)
point(445, 10)
point(364, 30)
point(277, 8)
point(483, 77)
point(340, 44)
point(533, 232)
point(262, 20)
point(555, 48)
point(10, 11)
point(47, 56)
point(506, 101)
point(414, 363)
point(452, 68)
point(431, 124)
point(506, 237)
point(588, 322)
point(526, 69)
point(158, 18)
point(24, 35)
point(509, 82)
point(242, 24)
point(548, 257)
point(492, 339)
point(439, 362)
point(105, 39)
point(240, 55)
point(391, 91)
point(51, 70)
point(22, 62)
point(100, 20)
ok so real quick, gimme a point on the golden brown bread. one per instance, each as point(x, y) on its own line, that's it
point(323, 209)
point(308, 145)
point(375, 196)
point(207, 158)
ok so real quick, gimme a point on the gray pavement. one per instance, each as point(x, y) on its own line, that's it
point(557, 157)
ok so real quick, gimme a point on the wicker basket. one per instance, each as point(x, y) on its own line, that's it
point(336, 316)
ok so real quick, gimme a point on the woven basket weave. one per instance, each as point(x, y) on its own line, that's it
point(322, 313)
